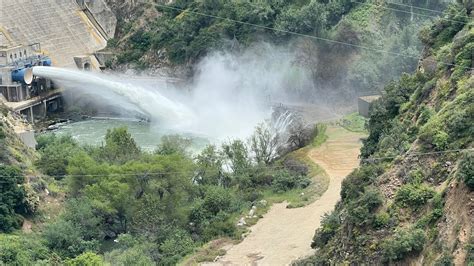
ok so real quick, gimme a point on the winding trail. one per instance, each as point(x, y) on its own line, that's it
point(284, 235)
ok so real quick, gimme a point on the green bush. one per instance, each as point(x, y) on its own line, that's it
point(55, 154)
point(402, 244)
point(361, 211)
point(211, 215)
point(425, 114)
point(466, 170)
point(354, 184)
point(12, 198)
point(176, 247)
point(130, 250)
point(329, 225)
point(381, 219)
point(120, 147)
point(78, 230)
point(284, 181)
point(413, 196)
point(86, 259)
point(22, 250)
point(445, 260)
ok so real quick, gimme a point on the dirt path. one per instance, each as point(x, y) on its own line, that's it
point(284, 235)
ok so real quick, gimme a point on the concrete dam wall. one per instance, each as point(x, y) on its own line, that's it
point(60, 26)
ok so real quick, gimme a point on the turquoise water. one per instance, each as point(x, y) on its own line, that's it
point(147, 136)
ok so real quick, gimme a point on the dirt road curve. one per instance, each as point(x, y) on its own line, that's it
point(284, 235)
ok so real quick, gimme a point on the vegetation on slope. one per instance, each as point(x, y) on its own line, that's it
point(181, 33)
point(17, 196)
point(409, 199)
point(125, 206)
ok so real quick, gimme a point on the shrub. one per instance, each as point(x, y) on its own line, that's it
point(12, 198)
point(120, 146)
point(284, 181)
point(130, 250)
point(445, 260)
point(381, 219)
point(55, 154)
point(361, 211)
point(218, 199)
point(329, 225)
point(466, 170)
point(413, 196)
point(78, 230)
point(353, 184)
point(21, 250)
point(403, 243)
point(171, 144)
point(425, 114)
point(176, 247)
point(86, 259)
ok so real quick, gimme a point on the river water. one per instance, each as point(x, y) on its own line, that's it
point(147, 136)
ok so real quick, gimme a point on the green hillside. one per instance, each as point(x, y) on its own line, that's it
point(410, 201)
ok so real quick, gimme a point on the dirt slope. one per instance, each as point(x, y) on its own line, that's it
point(284, 235)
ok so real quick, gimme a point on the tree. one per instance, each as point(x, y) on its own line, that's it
point(238, 155)
point(84, 170)
point(466, 170)
point(86, 259)
point(209, 166)
point(22, 249)
point(76, 231)
point(309, 18)
point(300, 133)
point(55, 154)
point(12, 198)
point(173, 144)
point(120, 146)
point(264, 144)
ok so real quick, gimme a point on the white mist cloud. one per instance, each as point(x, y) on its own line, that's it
point(230, 94)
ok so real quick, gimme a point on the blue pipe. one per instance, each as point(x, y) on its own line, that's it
point(47, 62)
point(23, 75)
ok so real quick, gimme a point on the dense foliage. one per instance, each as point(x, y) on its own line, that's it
point(12, 198)
point(393, 207)
point(344, 58)
point(126, 206)
point(187, 30)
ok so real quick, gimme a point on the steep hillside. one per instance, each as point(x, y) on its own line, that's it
point(411, 200)
point(178, 34)
point(17, 196)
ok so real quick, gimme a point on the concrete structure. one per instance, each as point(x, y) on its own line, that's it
point(101, 15)
point(39, 106)
point(69, 31)
point(83, 62)
point(61, 26)
point(364, 104)
point(10, 55)
point(28, 138)
point(20, 90)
